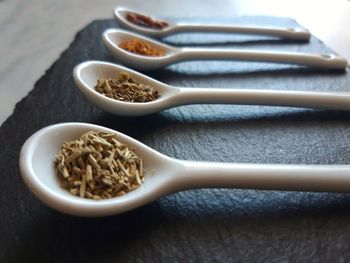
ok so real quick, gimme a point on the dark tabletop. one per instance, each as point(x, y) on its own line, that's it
point(214, 225)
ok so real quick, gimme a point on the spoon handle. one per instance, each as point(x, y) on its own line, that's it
point(285, 33)
point(286, 98)
point(329, 178)
point(329, 61)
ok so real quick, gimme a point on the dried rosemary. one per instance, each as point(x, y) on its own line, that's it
point(124, 88)
point(98, 166)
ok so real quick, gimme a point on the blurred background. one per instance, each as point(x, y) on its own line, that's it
point(35, 32)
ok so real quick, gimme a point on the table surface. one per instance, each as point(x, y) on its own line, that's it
point(205, 224)
point(29, 45)
point(202, 221)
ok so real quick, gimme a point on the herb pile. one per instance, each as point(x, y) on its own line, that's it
point(97, 166)
point(124, 88)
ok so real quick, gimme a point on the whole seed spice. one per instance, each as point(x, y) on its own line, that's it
point(124, 88)
point(142, 48)
point(146, 21)
point(97, 166)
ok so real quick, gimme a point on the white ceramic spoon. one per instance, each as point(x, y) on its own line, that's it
point(87, 73)
point(163, 175)
point(120, 15)
point(113, 37)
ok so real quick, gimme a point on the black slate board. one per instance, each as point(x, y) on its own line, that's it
point(216, 225)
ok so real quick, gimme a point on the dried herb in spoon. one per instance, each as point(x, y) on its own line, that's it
point(97, 166)
point(125, 88)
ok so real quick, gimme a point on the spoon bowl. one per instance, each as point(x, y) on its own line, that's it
point(120, 15)
point(163, 175)
point(36, 166)
point(87, 73)
point(112, 38)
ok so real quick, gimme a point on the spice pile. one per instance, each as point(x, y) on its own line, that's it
point(97, 166)
point(126, 89)
point(142, 48)
point(146, 21)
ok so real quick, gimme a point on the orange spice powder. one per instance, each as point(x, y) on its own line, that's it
point(142, 48)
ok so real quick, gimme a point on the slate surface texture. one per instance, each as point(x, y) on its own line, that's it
point(203, 225)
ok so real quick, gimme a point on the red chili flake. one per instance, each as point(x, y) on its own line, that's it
point(146, 21)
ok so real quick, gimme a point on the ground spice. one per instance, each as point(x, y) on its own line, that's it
point(142, 48)
point(146, 21)
point(124, 88)
point(97, 166)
